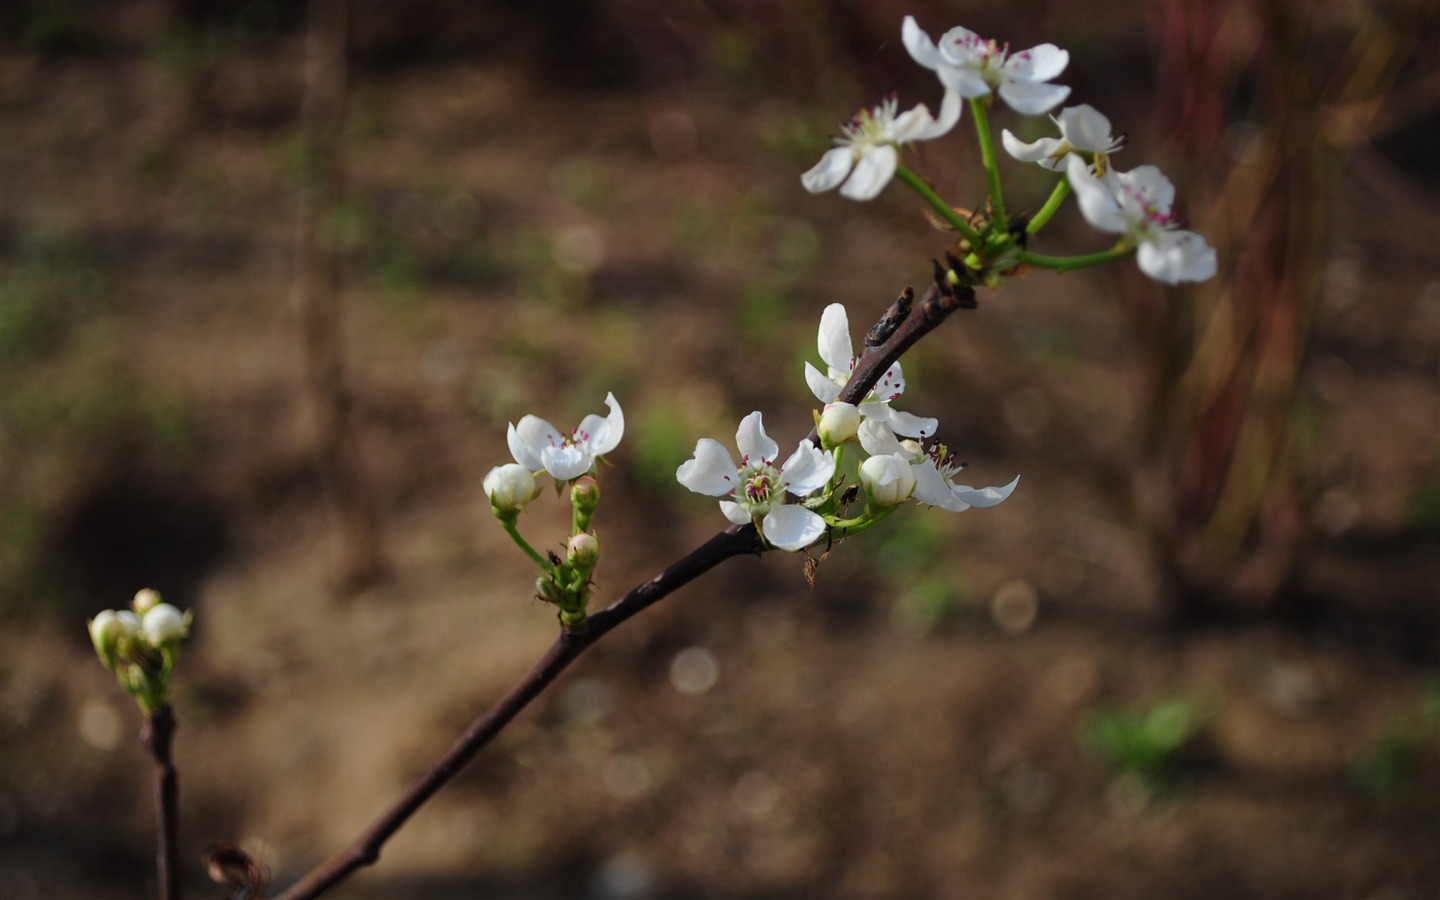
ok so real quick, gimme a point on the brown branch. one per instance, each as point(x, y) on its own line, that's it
point(903, 324)
point(156, 736)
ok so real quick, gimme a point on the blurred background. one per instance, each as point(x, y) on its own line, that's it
point(275, 275)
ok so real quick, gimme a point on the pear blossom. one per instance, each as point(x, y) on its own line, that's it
point(839, 356)
point(539, 446)
point(934, 468)
point(755, 489)
point(888, 480)
point(867, 151)
point(1138, 205)
point(973, 67)
point(1083, 130)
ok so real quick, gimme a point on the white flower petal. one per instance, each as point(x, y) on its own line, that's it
point(834, 339)
point(878, 439)
point(1149, 185)
point(917, 125)
point(954, 46)
point(1097, 203)
point(567, 462)
point(807, 470)
point(527, 440)
point(1085, 128)
point(735, 512)
point(984, 498)
point(829, 171)
point(603, 441)
point(1035, 152)
point(792, 527)
point(711, 471)
point(965, 82)
point(1176, 256)
point(1040, 63)
point(755, 445)
point(871, 173)
point(1032, 99)
point(932, 489)
point(824, 389)
point(918, 44)
point(910, 425)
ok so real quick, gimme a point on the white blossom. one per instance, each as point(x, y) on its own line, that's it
point(867, 151)
point(1138, 205)
point(934, 469)
point(838, 354)
point(972, 67)
point(754, 491)
point(1083, 130)
point(539, 446)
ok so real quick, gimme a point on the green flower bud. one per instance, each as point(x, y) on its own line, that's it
point(583, 551)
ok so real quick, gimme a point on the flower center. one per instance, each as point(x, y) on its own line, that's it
point(759, 482)
point(945, 462)
point(871, 125)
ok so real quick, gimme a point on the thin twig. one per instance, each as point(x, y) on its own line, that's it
point(903, 325)
point(156, 736)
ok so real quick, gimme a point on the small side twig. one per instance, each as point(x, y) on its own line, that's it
point(156, 736)
point(901, 327)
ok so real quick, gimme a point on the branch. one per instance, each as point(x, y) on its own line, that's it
point(901, 326)
point(156, 736)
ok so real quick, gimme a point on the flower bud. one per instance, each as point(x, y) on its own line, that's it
point(583, 551)
point(838, 424)
point(105, 634)
point(129, 624)
point(145, 600)
point(546, 589)
point(888, 480)
point(585, 499)
point(510, 487)
point(164, 624)
point(585, 494)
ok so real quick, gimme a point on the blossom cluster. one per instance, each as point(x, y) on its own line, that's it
point(139, 645)
point(1137, 206)
point(794, 503)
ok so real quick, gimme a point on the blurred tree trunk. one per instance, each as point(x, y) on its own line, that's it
point(1233, 524)
point(317, 298)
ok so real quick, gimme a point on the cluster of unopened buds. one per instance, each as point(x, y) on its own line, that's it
point(140, 645)
point(1138, 206)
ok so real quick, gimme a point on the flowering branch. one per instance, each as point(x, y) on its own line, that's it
point(902, 325)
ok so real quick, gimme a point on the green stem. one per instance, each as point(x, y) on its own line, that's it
point(1057, 197)
point(1067, 263)
point(530, 551)
point(915, 184)
point(987, 157)
point(870, 519)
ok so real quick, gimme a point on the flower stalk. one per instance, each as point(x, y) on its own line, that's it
point(979, 109)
